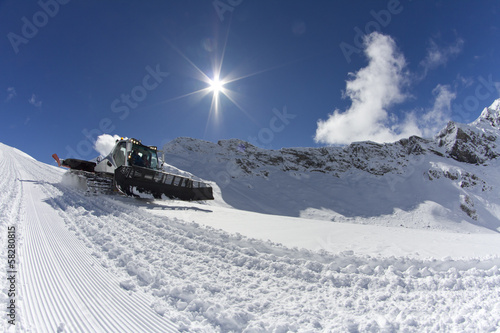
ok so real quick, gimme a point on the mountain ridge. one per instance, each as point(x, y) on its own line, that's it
point(458, 158)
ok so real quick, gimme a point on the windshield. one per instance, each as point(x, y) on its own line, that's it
point(144, 157)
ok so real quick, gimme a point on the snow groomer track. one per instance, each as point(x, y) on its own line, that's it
point(61, 286)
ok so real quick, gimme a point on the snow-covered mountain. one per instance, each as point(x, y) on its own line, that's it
point(76, 262)
point(442, 182)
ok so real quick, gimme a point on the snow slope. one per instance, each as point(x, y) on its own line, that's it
point(61, 286)
point(115, 264)
point(451, 182)
point(319, 235)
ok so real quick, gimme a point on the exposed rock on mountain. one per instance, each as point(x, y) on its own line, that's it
point(454, 173)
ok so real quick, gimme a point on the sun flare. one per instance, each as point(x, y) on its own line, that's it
point(216, 85)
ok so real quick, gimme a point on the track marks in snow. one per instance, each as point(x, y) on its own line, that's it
point(208, 280)
point(61, 286)
point(11, 194)
point(11, 215)
point(126, 267)
point(118, 303)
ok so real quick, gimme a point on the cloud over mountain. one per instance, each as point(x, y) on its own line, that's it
point(374, 89)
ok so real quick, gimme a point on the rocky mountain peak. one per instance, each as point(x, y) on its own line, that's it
point(453, 170)
point(476, 142)
point(490, 116)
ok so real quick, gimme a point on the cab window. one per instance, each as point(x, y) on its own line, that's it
point(119, 154)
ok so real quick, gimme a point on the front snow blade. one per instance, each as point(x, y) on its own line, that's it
point(156, 182)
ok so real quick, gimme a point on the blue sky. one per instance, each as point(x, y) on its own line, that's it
point(295, 73)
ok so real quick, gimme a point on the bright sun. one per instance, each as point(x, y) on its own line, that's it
point(216, 85)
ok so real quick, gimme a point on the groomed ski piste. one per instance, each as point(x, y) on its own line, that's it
point(107, 263)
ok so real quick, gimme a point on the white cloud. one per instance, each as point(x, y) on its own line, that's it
point(373, 90)
point(11, 93)
point(105, 143)
point(35, 101)
point(436, 118)
point(439, 56)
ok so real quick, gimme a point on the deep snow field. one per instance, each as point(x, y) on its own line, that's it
point(96, 263)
